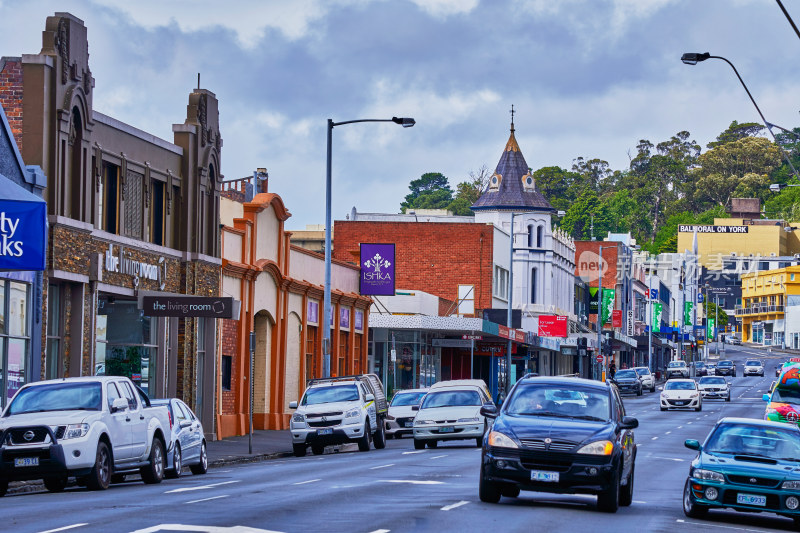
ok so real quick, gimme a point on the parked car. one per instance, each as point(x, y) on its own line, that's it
point(450, 413)
point(711, 368)
point(726, 368)
point(700, 368)
point(628, 382)
point(400, 419)
point(753, 367)
point(89, 427)
point(681, 394)
point(714, 387)
point(477, 384)
point(562, 435)
point(648, 379)
point(745, 464)
point(339, 410)
point(736, 340)
point(677, 369)
point(188, 440)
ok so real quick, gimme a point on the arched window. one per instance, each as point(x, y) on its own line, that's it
point(533, 285)
point(539, 233)
point(74, 188)
point(530, 235)
point(211, 215)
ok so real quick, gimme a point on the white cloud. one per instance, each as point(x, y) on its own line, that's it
point(445, 8)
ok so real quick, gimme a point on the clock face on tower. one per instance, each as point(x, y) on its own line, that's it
point(528, 183)
point(494, 181)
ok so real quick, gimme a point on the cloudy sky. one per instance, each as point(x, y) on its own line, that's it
point(587, 78)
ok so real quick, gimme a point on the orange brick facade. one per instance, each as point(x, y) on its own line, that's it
point(431, 257)
point(11, 94)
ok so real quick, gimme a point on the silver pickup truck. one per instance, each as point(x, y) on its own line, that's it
point(91, 428)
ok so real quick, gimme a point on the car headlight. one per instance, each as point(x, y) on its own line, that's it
point(75, 431)
point(708, 475)
point(601, 447)
point(792, 485)
point(423, 422)
point(474, 419)
point(299, 418)
point(352, 413)
point(693, 395)
point(501, 440)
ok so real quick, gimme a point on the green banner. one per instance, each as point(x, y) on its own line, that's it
point(711, 322)
point(656, 322)
point(688, 307)
point(609, 295)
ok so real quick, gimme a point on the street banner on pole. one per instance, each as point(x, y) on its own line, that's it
point(608, 305)
point(616, 318)
point(377, 269)
point(687, 313)
point(711, 323)
point(656, 319)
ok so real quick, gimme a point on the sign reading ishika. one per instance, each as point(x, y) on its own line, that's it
point(188, 306)
point(377, 264)
point(712, 229)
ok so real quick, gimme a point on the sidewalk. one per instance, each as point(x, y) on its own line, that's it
point(267, 444)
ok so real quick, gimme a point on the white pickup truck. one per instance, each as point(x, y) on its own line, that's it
point(91, 428)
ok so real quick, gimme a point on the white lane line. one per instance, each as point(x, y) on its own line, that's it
point(654, 438)
point(418, 451)
point(207, 499)
point(73, 526)
point(638, 501)
point(381, 531)
point(381, 466)
point(705, 524)
point(688, 422)
point(454, 505)
point(680, 427)
point(413, 481)
point(201, 487)
point(309, 481)
point(667, 433)
point(439, 456)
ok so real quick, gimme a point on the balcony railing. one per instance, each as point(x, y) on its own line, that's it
point(758, 309)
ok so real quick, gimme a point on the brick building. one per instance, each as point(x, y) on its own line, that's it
point(129, 214)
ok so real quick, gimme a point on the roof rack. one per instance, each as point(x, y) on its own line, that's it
point(333, 379)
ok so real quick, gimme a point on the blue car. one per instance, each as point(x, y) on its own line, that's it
point(748, 465)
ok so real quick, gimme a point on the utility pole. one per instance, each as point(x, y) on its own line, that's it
point(600, 309)
point(510, 296)
point(650, 317)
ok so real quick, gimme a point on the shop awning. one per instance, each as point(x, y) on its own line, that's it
point(23, 228)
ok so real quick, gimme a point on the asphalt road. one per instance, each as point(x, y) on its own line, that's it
point(402, 489)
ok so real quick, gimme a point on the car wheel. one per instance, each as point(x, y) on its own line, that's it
point(433, 443)
point(419, 444)
point(379, 439)
point(100, 476)
point(608, 500)
point(299, 450)
point(154, 471)
point(488, 491)
point(510, 491)
point(626, 492)
point(177, 464)
point(363, 442)
point(317, 449)
point(3, 487)
point(202, 466)
point(690, 507)
point(55, 484)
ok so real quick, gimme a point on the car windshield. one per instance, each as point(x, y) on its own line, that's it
point(753, 363)
point(699, 364)
point(337, 393)
point(712, 381)
point(626, 374)
point(59, 396)
point(786, 395)
point(746, 439)
point(675, 364)
point(725, 363)
point(407, 398)
point(643, 371)
point(562, 401)
point(451, 398)
point(679, 385)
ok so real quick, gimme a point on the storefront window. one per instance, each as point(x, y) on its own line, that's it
point(53, 349)
point(14, 336)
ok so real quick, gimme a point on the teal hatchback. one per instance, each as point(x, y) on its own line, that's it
point(748, 465)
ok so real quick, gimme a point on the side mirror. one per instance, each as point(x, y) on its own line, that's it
point(186, 423)
point(765, 397)
point(490, 410)
point(415, 407)
point(629, 422)
point(119, 404)
point(293, 405)
point(692, 444)
point(370, 397)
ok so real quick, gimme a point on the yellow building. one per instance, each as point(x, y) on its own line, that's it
point(764, 298)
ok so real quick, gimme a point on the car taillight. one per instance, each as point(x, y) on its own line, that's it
point(169, 412)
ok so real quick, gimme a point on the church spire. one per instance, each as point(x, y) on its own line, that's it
point(511, 145)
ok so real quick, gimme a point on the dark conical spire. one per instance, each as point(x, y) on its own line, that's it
point(512, 186)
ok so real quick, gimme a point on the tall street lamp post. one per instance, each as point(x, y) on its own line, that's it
point(600, 311)
point(692, 58)
point(510, 295)
point(326, 331)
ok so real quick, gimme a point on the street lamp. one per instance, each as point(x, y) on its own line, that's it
point(326, 331)
point(692, 58)
point(778, 187)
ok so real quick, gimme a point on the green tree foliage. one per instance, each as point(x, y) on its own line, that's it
point(430, 191)
point(468, 192)
point(558, 186)
point(737, 131)
point(584, 212)
point(785, 205)
point(714, 310)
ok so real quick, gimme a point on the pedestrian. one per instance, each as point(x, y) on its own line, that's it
point(612, 369)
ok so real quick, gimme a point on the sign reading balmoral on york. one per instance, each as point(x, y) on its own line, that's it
point(712, 229)
point(377, 269)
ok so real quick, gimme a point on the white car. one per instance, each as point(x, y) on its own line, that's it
point(677, 369)
point(715, 387)
point(753, 367)
point(647, 377)
point(712, 369)
point(681, 394)
point(400, 420)
point(450, 414)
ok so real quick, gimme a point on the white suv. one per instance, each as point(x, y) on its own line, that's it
point(339, 410)
point(677, 369)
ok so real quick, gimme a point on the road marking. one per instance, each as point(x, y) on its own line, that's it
point(679, 427)
point(207, 499)
point(439, 456)
point(309, 481)
point(73, 526)
point(201, 487)
point(414, 481)
point(688, 422)
point(381, 466)
point(381, 531)
point(706, 524)
point(418, 451)
point(667, 433)
point(202, 529)
point(654, 438)
point(454, 505)
point(638, 501)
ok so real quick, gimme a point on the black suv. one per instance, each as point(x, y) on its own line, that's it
point(726, 368)
point(562, 435)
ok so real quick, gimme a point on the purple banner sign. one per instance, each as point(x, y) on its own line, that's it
point(359, 320)
point(313, 312)
point(377, 269)
point(344, 317)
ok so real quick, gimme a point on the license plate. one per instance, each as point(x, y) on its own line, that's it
point(26, 461)
point(446, 430)
point(326, 431)
point(550, 477)
point(680, 403)
point(409, 424)
point(751, 499)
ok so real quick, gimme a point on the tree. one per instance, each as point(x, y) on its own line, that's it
point(593, 172)
point(558, 186)
point(713, 310)
point(736, 132)
point(785, 205)
point(430, 191)
point(584, 212)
